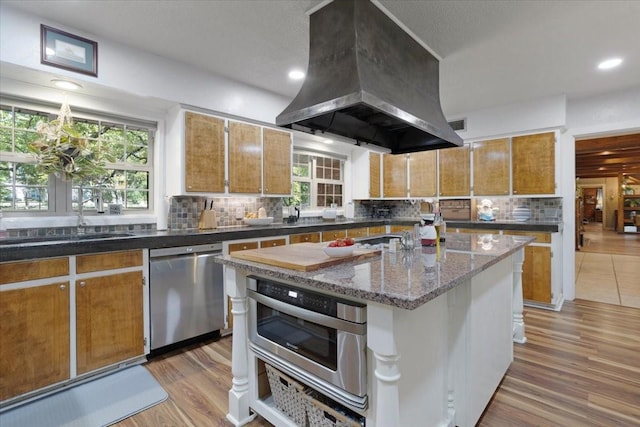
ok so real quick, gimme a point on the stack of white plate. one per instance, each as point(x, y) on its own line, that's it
point(521, 213)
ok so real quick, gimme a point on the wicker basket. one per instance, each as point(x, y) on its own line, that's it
point(288, 395)
point(321, 414)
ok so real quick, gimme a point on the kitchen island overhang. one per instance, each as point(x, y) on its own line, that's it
point(441, 323)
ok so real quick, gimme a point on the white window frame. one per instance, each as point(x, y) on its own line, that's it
point(314, 180)
point(60, 191)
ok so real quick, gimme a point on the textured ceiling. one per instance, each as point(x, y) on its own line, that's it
point(492, 52)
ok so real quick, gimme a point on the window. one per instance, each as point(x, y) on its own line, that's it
point(317, 180)
point(129, 173)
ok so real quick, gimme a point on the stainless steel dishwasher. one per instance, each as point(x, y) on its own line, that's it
point(186, 293)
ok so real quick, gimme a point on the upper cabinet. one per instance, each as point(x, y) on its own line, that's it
point(454, 171)
point(204, 153)
point(422, 174)
point(277, 162)
point(394, 171)
point(522, 165)
point(230, 157)
point(491, 167)
point(533, 163)
point(245, 158)
point(375, 175)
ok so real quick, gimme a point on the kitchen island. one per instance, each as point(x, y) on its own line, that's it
point(441, 323)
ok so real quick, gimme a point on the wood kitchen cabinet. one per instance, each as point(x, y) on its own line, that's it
point(245, 158)
point(277, 149)
point(538, 267)
point(109, 314)
point(536, 274)
point(454, 171)
point(491, 175)
point(394, 171)
point(422, 174)
point(328, 236)
point(243, 246)
point(109, 309)
point(376, 230)
point(34, 325)
point(375, 175)
point(304, 238)
point(204, 151)
point(38, 333)
point(273, 242)
point(409, 175)
point(533, 164)
point(358, 232)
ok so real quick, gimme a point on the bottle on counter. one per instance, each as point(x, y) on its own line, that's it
point(439, 223)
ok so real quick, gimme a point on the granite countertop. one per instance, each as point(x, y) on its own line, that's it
point(404, 279)
point(14, 249)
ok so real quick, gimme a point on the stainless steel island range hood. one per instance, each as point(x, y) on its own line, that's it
point(370, 81)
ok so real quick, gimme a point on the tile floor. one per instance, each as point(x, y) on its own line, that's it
point(610, 278)
point(608, 267)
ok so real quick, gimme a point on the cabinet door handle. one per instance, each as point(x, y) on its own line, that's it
point(83, 284)
point(63, 287)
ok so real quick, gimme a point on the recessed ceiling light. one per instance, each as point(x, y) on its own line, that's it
point(327, 141)
point(66, 84)
point(296, 75)
point(609, 63)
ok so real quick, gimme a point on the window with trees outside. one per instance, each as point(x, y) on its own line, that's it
point(317, 180)
point(128, 181)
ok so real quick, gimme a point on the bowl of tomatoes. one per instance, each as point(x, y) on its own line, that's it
point(340, 247)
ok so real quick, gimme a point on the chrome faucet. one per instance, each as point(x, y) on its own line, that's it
point(406, 241)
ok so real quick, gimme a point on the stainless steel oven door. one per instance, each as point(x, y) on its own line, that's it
point(332, 349)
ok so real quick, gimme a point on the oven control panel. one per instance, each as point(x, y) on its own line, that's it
point(303, 298)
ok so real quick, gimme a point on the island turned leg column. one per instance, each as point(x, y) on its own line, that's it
point(518, 318)
point(380, 339)
point(239, 393)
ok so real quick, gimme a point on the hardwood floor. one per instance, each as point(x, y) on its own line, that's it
point(580, 367)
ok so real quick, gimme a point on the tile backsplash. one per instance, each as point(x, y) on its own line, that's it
point(184, 211)
point(542, 209)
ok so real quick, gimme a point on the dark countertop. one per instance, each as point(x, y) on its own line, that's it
point(15, 249)
point(405, 279)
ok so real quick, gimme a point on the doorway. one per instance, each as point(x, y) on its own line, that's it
point(608, 263)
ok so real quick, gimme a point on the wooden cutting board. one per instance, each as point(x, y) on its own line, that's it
point(300, 256)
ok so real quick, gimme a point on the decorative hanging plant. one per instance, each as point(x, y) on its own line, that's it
point(63, 151)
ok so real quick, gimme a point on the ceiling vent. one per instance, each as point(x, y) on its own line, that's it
point(458, 124)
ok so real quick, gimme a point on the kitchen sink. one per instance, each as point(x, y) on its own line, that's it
point(376, 240)
point(62, 238)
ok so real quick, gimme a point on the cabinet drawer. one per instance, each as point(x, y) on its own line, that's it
point(234, 247)
point(401, 228)
point(358, 232)
point(380, 229)
point(273, 242)
point(327, 236)
point(304, 237)
point(20, 271)
point(108, 261)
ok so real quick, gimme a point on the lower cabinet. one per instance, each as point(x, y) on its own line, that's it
point(542, 267)
point(37, 328)
point(328, 236)
point(109, 320)
point(34, 338)
point(536, 274)
point(304, 237)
